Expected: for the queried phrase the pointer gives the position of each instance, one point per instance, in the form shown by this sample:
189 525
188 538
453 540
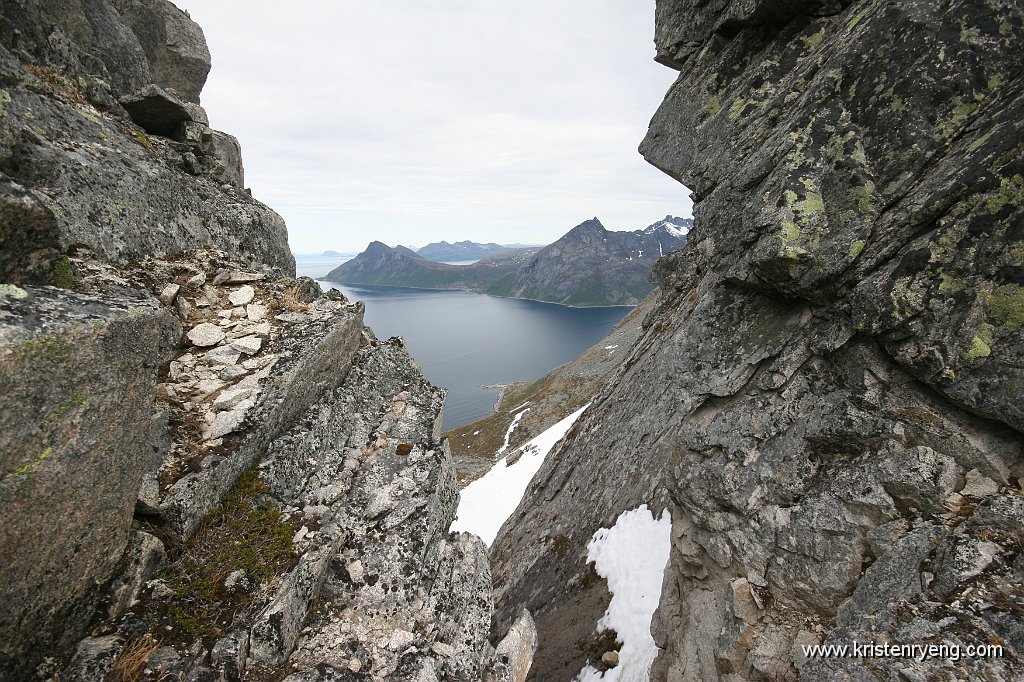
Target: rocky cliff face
828 398
99 119
208 469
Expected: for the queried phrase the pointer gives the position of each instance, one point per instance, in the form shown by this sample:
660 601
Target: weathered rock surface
837 350
69 474
395 594
75 171
174 45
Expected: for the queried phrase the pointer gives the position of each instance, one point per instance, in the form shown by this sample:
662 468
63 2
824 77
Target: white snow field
631 556
488 501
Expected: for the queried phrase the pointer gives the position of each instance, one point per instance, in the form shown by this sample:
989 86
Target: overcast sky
412 121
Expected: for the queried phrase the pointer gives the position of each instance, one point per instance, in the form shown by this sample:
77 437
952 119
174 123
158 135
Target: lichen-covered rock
70 473
833 377
174 45
75 172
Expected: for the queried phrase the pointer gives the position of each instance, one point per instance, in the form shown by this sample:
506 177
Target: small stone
978 485
230 398
610 658
223 275
224 423
169 293
183 308
355 665
250 345
205 334
256 312
242 295
292 317
356 572
400 639
196 282
202 302
403 449
232 372
237 313
225 355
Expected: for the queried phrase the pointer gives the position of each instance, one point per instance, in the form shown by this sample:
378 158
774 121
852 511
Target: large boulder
174 45
69 474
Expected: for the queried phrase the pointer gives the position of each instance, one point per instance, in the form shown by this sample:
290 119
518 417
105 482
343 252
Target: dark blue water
465 341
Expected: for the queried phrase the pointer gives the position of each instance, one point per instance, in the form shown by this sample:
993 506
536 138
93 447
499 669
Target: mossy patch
31 466
981 344
1010 192
246 532
63 275
812 41
44 348
1006 306
856 248
712 105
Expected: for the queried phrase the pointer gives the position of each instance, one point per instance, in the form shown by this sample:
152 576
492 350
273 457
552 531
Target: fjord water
465 341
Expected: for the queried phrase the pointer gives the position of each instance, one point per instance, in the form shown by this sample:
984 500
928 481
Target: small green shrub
243 533
63 275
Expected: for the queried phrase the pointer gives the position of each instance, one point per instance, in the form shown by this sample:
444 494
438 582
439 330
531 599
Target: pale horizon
411 124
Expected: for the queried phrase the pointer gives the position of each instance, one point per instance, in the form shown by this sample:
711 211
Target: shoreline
478 293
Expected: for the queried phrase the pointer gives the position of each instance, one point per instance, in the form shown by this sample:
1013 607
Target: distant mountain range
465 250
588 266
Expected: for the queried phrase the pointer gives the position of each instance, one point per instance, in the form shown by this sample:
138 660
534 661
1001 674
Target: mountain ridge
587 266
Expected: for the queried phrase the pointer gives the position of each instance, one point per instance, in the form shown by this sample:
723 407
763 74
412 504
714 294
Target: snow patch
611 347
511 428
631 556
485 503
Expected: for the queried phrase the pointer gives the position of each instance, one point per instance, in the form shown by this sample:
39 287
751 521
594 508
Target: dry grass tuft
291 301
133 659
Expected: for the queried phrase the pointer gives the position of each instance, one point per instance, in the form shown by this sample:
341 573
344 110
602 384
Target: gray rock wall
100 126
69 474
828 397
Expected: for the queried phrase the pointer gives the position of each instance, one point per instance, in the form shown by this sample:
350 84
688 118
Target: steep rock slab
311 358
832 380
395 594
70 474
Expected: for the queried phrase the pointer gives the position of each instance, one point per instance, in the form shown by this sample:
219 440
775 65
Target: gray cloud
410 122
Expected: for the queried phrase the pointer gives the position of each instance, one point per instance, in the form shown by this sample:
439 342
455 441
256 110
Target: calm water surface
466 341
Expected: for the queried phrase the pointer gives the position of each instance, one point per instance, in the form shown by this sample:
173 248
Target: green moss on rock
63 275
1006 305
